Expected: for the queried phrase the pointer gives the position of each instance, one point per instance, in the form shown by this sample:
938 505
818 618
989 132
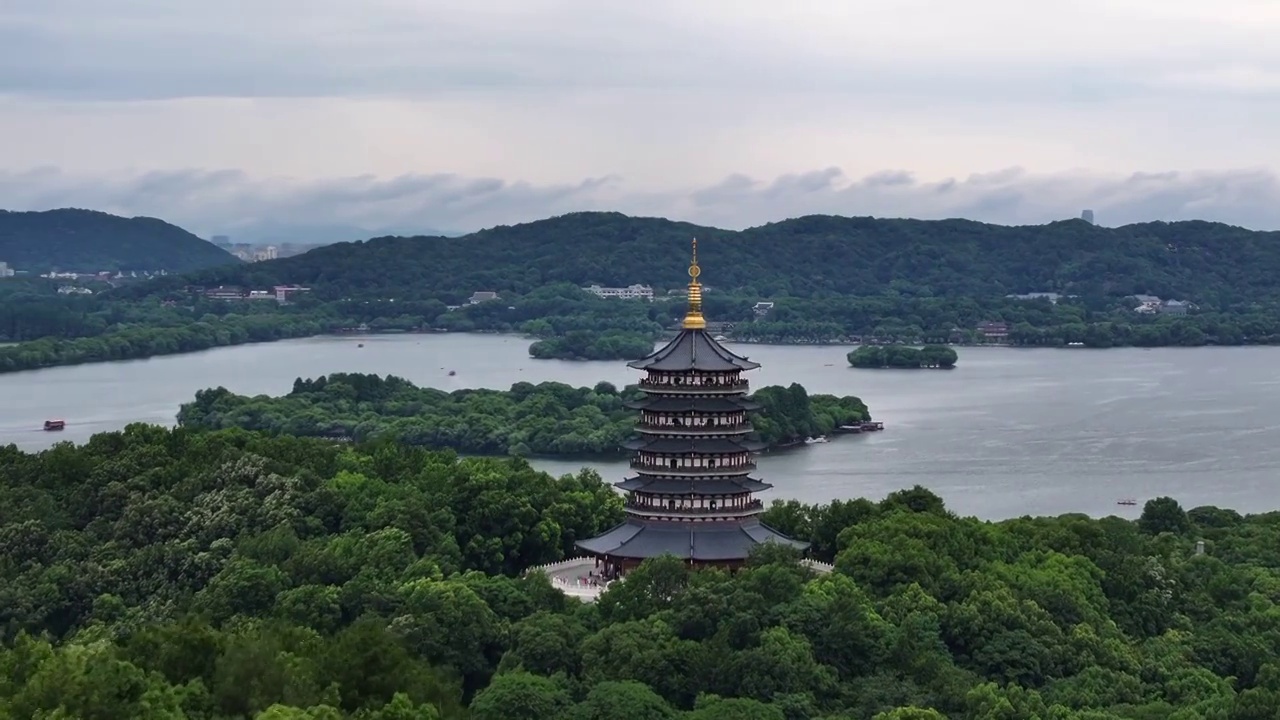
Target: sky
243 117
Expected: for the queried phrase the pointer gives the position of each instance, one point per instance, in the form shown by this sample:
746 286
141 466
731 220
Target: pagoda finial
693 320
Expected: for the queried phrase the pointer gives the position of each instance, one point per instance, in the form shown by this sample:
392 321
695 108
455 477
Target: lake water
1008 432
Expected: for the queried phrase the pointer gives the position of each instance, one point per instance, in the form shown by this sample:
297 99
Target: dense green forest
162 574
73 329
829 280
71 240
1213 265
902 357
54 329
544 419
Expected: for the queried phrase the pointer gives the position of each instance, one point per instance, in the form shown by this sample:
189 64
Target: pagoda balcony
755 507
694 430
740 386
691 471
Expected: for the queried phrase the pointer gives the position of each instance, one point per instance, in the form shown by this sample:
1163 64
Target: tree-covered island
588 345
544 419
902 357
177 574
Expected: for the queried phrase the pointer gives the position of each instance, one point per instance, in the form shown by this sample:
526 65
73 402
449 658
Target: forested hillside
164 574
1208 263
88 241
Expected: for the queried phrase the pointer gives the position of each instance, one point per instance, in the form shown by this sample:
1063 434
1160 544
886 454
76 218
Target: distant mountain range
72 240
814 256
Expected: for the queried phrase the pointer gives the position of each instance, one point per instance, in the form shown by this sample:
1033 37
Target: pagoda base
726 543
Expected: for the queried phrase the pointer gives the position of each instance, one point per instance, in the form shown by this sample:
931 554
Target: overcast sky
457 115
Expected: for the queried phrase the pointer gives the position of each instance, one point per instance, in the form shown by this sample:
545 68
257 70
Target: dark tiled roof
694 350
700 445
693 486
711 541
686 403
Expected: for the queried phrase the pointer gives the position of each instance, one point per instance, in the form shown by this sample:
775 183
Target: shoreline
355 335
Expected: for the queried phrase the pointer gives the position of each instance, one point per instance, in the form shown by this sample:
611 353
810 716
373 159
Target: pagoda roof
700 445
686 403
707 540
693 486
693 350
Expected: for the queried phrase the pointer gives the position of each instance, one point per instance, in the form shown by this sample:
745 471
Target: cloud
345 113
231 202
159 49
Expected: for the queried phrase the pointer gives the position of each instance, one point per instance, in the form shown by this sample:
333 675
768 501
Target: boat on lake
55 424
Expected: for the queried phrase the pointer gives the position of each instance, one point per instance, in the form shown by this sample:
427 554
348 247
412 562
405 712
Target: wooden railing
750 508
737 469
743 427
696 389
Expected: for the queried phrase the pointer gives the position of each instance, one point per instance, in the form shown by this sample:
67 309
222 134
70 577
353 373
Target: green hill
87 241
1207 263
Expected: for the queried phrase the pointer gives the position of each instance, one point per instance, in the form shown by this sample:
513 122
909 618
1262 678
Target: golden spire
693 320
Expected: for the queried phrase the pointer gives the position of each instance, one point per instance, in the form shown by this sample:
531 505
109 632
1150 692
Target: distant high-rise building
1087 216
221 241
267 253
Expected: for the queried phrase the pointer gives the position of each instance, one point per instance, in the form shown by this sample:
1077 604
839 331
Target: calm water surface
1009 432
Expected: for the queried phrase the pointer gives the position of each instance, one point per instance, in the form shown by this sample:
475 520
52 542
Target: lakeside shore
47 347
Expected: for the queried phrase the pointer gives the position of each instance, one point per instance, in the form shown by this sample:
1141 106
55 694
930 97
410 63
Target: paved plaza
579 578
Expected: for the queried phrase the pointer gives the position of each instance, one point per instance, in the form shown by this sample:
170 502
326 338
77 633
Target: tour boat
55 424
816 440
1127 501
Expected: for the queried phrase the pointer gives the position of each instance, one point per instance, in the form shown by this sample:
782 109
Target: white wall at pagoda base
819 567
571 577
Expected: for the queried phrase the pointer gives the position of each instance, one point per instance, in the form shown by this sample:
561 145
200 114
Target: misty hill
88 241
809 256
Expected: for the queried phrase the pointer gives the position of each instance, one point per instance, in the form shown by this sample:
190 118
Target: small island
552 419
587 345
903 357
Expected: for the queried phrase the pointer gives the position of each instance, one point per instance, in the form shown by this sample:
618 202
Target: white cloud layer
662 100
229 202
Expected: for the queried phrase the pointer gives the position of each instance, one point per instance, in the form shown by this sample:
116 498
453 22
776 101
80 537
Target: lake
1008 432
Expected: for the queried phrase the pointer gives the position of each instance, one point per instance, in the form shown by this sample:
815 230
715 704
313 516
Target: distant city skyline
229 118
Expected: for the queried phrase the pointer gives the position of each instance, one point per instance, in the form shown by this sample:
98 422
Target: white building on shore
630 292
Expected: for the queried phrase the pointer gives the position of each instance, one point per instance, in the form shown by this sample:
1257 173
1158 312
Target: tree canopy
902 357
826 279
156 573
544 419
814 256
587 345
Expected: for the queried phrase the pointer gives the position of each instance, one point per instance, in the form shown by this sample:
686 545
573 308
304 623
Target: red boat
55 424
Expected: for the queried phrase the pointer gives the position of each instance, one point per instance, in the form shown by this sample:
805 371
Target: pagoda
691 494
